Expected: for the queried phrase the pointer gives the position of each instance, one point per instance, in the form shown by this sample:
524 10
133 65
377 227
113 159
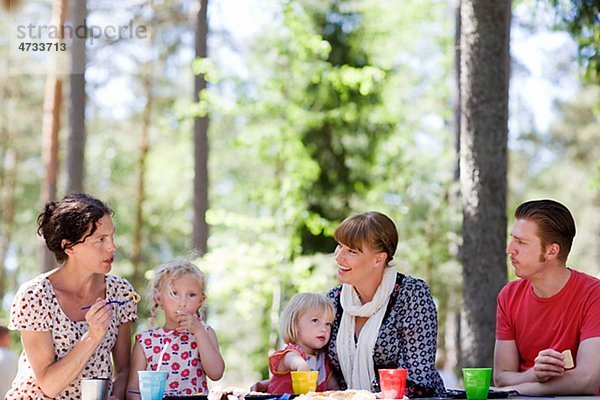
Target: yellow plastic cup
304 381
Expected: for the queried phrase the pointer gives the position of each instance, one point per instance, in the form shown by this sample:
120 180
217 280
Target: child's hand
299 364
189 321
260 386
303 367
293 361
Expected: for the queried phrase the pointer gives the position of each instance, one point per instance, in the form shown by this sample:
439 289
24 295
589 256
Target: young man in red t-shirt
549 310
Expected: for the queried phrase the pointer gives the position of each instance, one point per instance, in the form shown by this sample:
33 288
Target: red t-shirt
559 322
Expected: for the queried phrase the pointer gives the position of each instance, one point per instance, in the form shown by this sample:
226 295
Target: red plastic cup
392 382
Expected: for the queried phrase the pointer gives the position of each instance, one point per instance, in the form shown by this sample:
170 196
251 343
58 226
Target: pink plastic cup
393 382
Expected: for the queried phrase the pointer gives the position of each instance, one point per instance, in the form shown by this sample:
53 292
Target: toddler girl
188 347
305 327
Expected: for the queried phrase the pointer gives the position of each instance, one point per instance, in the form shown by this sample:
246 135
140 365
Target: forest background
313 110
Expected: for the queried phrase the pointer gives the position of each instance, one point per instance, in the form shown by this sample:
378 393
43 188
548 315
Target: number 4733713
43 46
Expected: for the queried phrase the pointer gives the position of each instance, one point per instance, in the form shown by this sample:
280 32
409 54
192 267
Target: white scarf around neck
356 359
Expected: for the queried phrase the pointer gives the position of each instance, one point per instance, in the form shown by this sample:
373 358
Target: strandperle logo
39 45
84 31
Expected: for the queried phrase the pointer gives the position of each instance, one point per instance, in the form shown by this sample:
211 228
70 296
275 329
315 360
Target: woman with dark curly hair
72 318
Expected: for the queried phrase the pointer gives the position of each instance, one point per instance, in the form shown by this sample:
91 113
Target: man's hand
548 364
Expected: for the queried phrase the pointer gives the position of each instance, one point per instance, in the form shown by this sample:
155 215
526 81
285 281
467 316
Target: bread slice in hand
569 364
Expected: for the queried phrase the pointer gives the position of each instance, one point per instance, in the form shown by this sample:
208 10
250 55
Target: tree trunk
11 5
200 228
50 129
456 90
484 74
76 142
454 195
136 256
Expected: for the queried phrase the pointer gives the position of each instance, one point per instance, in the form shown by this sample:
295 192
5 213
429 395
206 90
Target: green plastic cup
477 382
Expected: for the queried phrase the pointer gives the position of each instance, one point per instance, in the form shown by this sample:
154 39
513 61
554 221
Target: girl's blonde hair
167 273
300 304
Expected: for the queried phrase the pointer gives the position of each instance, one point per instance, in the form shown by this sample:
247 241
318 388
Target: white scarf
360 374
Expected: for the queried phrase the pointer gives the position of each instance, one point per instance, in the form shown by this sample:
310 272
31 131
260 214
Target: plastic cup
94 389
393 382
304 381
152 384
477 382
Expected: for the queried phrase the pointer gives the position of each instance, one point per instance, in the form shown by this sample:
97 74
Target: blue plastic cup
152 384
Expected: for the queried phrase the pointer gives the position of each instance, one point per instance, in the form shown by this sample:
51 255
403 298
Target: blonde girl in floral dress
189 347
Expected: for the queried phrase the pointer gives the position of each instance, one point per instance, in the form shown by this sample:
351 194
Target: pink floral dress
181 359
36 308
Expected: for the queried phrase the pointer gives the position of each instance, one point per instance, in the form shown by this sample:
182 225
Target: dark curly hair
70 219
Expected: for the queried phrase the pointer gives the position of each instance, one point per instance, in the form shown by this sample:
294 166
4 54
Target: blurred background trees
327 108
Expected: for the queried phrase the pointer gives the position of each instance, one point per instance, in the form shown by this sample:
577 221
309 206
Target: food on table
236 393
341 395
228 393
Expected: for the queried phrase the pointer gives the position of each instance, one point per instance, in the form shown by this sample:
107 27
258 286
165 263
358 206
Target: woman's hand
98 319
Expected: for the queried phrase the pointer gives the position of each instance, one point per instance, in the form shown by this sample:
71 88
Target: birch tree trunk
484 76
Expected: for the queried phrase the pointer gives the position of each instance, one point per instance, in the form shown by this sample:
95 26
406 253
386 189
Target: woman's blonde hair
372 229
167 273
300 304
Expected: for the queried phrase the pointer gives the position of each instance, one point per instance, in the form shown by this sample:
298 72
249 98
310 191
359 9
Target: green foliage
313 138
350 119
582 19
